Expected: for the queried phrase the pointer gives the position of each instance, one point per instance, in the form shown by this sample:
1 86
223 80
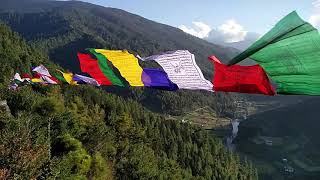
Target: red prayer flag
91 66
37 76
242 79
26 76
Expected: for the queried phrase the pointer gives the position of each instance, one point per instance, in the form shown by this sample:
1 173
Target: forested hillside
294 135
82 132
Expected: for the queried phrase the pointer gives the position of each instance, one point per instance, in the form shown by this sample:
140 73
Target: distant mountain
217 37
62 28
248 41
25 6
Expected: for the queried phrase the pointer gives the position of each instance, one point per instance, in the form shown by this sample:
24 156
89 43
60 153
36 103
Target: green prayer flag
59 77
290 54
104 67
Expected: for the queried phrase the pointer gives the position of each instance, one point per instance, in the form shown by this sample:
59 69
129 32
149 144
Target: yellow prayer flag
36 80
68 77
126 63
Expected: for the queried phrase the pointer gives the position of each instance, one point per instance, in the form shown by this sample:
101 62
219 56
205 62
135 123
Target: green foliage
16 55
100 168
170 169
139 163
49 106
20 101
75 161
23 147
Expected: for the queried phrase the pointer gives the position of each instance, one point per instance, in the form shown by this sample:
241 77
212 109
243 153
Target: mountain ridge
146 30
73 26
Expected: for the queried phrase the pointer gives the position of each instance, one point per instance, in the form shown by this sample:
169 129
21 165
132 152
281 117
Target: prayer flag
290 54
182 69
91 66
157 78
242 79
126 63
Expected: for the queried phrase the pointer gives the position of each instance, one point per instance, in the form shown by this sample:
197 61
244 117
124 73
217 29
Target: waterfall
235 128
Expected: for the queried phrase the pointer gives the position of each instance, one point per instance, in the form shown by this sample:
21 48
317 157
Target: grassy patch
204 117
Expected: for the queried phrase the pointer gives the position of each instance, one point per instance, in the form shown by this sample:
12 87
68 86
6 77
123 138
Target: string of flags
289 54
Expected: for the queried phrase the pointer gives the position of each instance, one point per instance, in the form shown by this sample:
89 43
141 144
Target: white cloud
232 31
315 17
315 20
202 30
316 4
229 32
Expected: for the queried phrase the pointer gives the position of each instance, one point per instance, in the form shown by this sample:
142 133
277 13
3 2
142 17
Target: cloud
232 31
316 4
201 30
315 20
315 17
229 32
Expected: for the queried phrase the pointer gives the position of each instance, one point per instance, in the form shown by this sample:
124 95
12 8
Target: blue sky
248 15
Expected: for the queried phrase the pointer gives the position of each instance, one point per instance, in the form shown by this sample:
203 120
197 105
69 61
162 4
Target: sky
234 17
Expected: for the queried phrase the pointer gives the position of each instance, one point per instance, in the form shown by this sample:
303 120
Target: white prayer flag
17 77
85 79
49 80
42 70
182 69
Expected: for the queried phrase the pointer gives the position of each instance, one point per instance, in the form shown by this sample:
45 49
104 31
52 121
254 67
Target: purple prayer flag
157 78
84 80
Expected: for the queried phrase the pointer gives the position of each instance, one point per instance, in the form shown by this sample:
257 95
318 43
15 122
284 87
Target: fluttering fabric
290 54
91 66
60 77
126 63
50 80
17 78
68 77
43 75
242 79
182 69
26 77
156 78
80 79
13 86
42 70
37 78
105 68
